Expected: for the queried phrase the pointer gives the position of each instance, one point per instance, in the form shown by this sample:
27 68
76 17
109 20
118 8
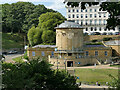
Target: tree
21 16
35 74
112 7
50 20
48 37
47 23
45 31
34 36
115 84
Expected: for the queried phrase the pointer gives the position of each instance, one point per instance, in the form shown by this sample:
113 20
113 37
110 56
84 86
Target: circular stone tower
69 36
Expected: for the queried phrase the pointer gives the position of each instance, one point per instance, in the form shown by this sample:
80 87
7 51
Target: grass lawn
12 41
93 75
18 59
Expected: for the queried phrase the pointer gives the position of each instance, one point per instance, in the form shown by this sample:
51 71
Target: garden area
91 76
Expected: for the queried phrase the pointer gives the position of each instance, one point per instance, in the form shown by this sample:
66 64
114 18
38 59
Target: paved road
8 58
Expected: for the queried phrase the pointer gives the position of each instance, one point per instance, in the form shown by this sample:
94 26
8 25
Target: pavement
92 67
8 58
93 87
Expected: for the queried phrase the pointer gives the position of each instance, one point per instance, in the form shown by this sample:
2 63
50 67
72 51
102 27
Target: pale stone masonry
70 50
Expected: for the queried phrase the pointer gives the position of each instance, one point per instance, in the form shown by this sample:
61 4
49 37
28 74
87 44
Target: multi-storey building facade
92 19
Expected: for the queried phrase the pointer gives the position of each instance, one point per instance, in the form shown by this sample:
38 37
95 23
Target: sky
57 5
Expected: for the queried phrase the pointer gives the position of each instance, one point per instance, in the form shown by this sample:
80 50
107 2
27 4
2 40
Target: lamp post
65 65
57 64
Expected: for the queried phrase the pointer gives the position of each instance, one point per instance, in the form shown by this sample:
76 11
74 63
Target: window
73 16
95 29
90 10
77 21
95 15
86 29
77 10
91 28
87 53
90 15
81 22
96 53
99 15
81 10
52 53
33 53
86 22
106 53
99 28
81 15
86 16
69 54
104 22
100 22
43 54
90 22
105 29
68 10
95 10
73 10
77 15
85 10
95 22
69 16
104 15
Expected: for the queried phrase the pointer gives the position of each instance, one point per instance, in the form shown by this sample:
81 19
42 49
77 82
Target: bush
107 39
99 43
94 40
37 75
25 55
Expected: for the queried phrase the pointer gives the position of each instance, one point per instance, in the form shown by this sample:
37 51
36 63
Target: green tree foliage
34 36
50 20
112 7
115 84
48 37
21 16
47 23
35 74
46 27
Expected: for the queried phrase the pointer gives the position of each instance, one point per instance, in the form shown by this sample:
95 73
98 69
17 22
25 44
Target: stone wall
99 37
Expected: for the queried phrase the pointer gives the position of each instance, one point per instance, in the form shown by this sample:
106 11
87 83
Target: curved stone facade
69 39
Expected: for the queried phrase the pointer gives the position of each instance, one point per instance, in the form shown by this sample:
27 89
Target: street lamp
65 64
57 64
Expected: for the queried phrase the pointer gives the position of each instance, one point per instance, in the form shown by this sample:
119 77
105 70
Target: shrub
107 39
25 55
94 40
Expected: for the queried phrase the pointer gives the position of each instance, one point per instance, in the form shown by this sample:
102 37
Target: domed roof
69 24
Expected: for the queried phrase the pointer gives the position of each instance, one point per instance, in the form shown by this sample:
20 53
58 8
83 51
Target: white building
91 18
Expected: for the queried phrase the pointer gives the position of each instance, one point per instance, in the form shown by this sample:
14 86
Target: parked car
110 33
104 33
12 52
117 33
4 53
95 33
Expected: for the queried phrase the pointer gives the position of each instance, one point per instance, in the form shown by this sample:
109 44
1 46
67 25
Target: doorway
69 63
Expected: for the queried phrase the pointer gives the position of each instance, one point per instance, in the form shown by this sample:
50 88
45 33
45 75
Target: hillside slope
12 41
